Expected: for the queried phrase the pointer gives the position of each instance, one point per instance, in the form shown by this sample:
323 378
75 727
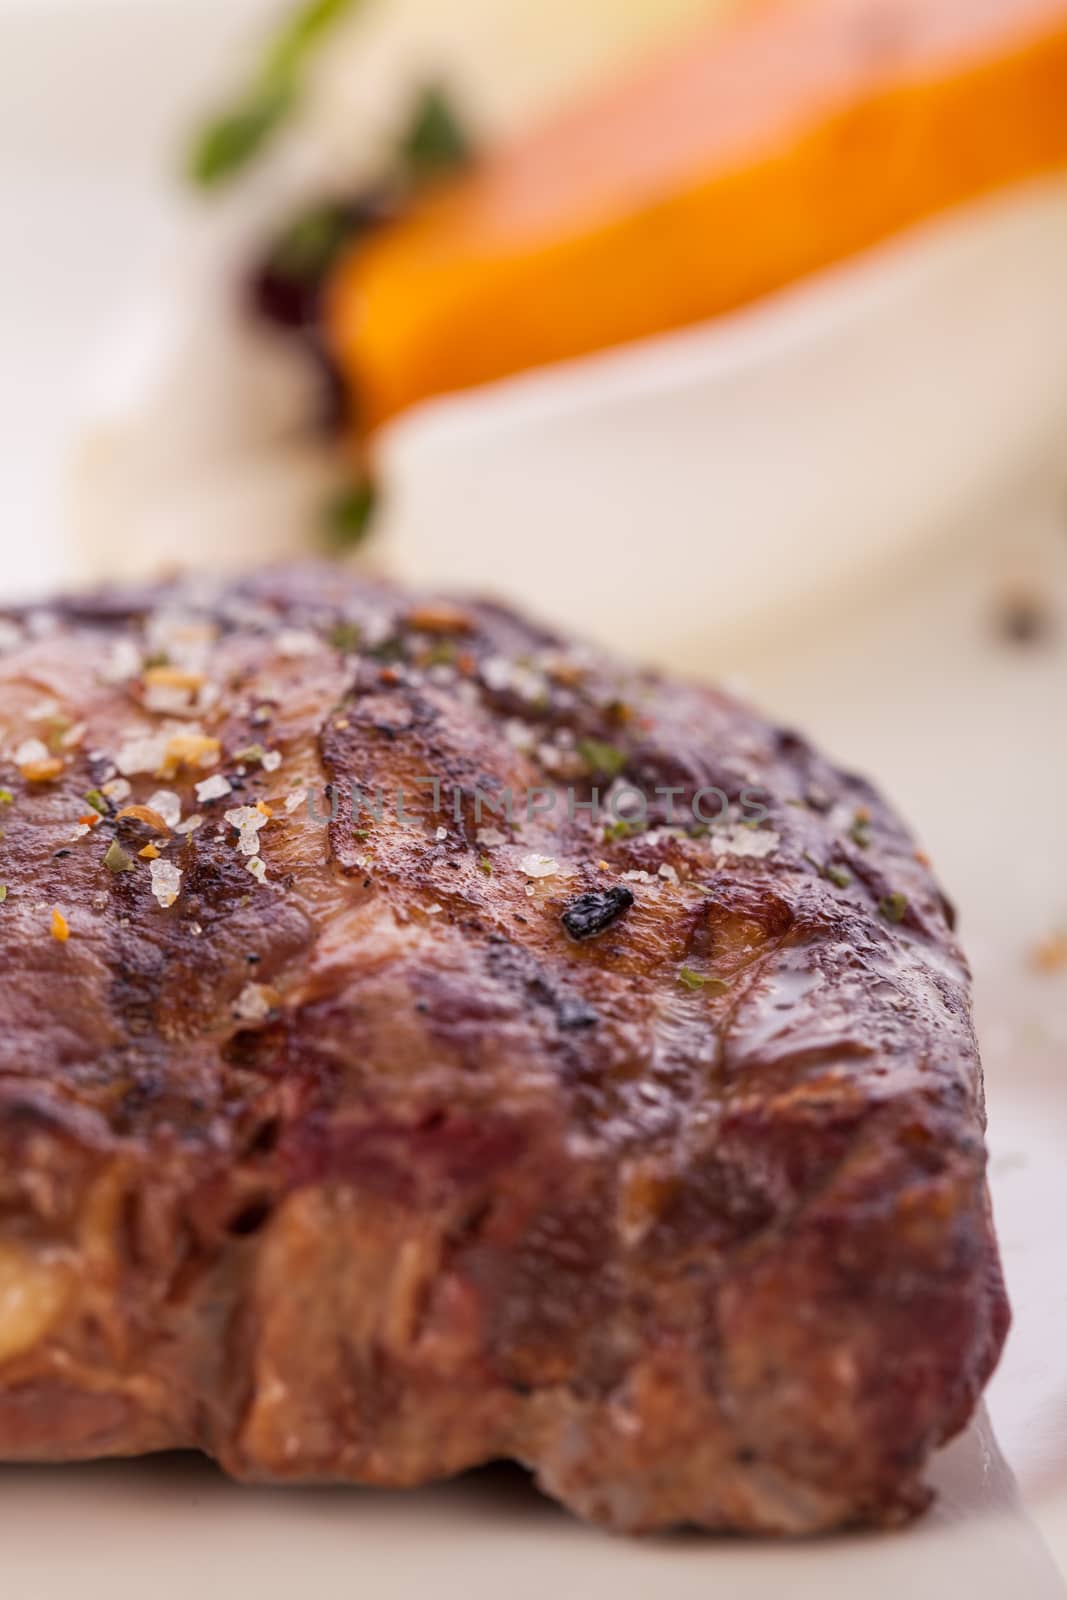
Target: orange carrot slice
763 150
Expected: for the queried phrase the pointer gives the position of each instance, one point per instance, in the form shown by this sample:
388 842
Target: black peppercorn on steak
426 1041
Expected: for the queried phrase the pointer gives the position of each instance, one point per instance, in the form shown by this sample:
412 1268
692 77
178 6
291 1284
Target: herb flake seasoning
117 860
697 980
893 907
601 757
840 877
595 912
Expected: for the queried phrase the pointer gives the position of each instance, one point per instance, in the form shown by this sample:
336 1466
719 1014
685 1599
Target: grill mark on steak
519 970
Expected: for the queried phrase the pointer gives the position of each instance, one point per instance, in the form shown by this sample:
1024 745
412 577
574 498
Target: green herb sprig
435 141
236 135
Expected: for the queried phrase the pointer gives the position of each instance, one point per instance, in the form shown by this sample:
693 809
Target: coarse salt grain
254 1003
123 663
496 672
30 752
743 841
141 755
519 735
271 761
168 805
182 637
167 699
248 820
246 817
213 788
257 867
166 882
293 643
535 866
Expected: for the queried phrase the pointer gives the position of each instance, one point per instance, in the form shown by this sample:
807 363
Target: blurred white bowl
672 494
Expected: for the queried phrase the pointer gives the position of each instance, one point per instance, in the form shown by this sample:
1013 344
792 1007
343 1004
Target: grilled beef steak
644 1147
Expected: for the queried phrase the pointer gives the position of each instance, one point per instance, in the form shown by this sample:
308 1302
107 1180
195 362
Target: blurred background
845 492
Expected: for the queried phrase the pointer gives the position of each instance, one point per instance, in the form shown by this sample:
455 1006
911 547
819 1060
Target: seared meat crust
648 1155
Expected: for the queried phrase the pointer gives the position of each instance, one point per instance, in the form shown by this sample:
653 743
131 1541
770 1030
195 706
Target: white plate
171 1528
906 682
